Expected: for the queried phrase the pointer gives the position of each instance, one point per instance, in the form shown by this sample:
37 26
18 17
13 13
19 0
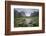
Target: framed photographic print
24 17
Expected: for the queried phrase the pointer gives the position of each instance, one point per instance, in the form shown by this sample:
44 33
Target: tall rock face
22 13
16 13
35 13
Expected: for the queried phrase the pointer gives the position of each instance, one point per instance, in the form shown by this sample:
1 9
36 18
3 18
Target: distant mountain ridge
22 13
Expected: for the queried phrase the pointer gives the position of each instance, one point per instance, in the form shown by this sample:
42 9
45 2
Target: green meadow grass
20 21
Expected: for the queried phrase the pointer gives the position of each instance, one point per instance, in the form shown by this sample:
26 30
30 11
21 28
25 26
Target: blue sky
26 10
